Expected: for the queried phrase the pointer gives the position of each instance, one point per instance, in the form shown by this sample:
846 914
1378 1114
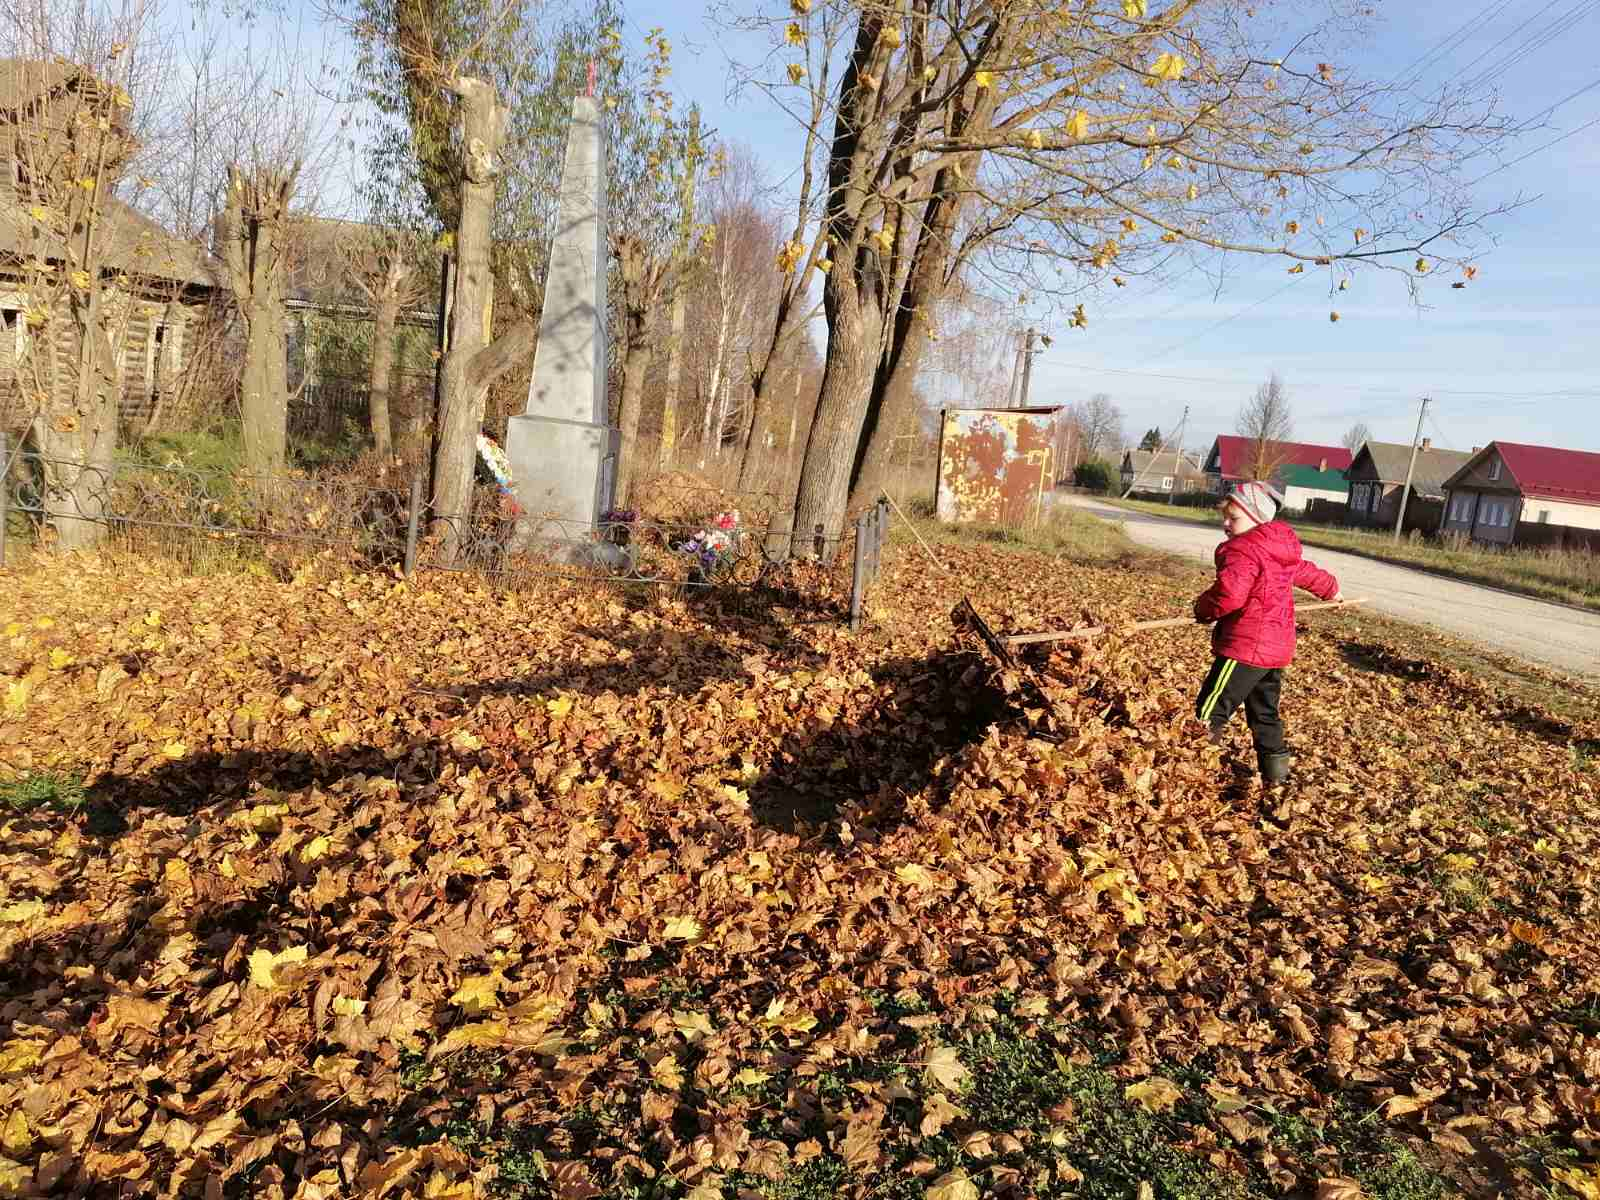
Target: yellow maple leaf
60 658
789 255
21 910
346 1006
796 72
943 1068
1129 225
750 1077
17 695
264 965
19 1055
824 265
1194 192
482 1035
1078 125
889 35
1156 1094
682 929
316 848
174 750
1134 10
694 1026
913 873
1169 66
1422 266
479 993
983 79
885 240
1585 1181
16 1137
1034 140
800 7
953 1185
795 35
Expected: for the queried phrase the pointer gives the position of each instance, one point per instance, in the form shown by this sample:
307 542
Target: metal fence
393 527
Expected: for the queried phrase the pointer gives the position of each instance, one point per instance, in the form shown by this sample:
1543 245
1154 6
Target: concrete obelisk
561 450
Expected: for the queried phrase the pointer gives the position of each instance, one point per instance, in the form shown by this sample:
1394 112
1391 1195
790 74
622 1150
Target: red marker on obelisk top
590 92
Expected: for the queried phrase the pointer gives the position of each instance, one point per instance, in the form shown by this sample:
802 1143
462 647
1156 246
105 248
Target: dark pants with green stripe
1229 684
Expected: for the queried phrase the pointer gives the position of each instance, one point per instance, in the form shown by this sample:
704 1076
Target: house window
1494 467
1166 483
1544 516
11 340
154 350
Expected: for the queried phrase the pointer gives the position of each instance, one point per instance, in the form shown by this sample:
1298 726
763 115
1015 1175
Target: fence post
5 493
883 535
413 521
858 573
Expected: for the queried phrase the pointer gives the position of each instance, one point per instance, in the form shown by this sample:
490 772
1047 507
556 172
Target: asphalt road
1550 635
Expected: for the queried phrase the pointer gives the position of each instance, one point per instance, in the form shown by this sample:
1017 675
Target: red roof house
1233 459
1508 486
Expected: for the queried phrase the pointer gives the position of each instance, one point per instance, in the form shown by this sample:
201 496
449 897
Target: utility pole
1411 467
1027 364
1177 478
1160 450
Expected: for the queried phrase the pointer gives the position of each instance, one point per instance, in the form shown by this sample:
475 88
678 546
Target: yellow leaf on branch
1078 125
1169 66
983 79
795 35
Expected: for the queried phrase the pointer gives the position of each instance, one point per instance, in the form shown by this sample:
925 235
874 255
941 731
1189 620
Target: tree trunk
755 446
461 399
641 290
253 251
382 371
855 330
79 444
893 402
264 399
667 451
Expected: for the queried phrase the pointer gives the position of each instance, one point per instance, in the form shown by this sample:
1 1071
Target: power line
1483 17
1547 30
1573 393
1536 150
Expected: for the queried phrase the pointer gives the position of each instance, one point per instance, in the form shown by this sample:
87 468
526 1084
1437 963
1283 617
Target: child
1252 602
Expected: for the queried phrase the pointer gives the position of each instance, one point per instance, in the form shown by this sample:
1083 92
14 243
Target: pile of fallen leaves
432 889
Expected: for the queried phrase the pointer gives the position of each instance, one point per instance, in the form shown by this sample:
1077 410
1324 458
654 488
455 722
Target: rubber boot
1274 766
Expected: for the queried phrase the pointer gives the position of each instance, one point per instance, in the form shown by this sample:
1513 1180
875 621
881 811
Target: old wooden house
155 287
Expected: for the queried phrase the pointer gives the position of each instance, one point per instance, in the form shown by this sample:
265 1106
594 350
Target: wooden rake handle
1061 635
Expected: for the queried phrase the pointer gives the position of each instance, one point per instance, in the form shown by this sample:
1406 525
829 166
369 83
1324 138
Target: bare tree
1099 424
1355 437
1267 422
385 263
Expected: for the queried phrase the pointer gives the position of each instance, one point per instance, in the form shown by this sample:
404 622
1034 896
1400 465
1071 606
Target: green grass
53 790
1063 533
1571 577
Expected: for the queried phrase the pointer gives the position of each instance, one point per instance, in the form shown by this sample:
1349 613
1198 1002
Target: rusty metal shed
995 464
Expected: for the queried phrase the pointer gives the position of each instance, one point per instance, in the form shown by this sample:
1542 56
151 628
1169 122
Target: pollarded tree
1049 147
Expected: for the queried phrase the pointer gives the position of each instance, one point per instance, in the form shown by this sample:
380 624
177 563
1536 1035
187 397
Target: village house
1304 472
1514 494
1148 472
1377 478
157 285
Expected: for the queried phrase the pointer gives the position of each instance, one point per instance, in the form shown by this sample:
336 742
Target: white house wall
1562 512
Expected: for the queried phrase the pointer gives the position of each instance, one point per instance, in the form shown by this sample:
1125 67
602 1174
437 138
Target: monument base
563 472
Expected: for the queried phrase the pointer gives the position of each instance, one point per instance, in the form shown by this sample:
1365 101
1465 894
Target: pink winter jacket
1252 600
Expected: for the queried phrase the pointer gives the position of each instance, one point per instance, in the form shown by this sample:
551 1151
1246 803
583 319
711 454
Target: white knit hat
1260 500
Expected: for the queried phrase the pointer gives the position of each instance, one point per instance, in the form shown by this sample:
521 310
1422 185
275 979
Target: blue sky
1487 355
1513 356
